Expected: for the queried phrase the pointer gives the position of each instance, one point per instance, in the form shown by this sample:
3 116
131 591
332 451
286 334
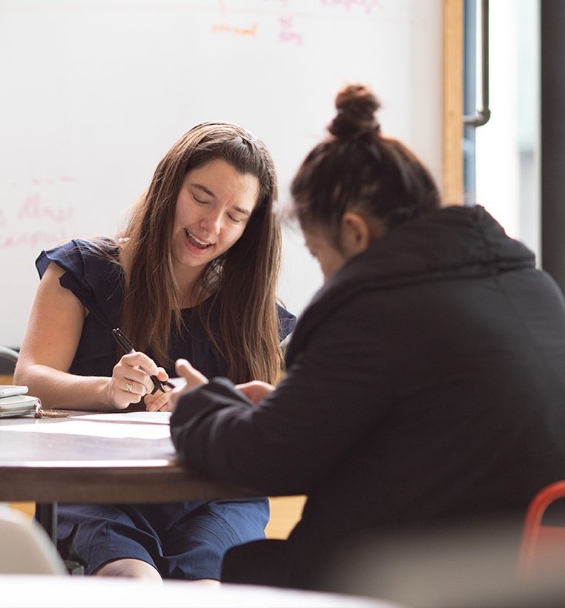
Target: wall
94 93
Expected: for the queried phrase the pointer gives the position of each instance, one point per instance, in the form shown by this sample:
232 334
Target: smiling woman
214 205
192 275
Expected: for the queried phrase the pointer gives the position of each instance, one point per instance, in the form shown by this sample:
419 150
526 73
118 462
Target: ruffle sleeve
92 274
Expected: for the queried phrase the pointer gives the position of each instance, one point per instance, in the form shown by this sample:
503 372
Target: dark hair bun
356 107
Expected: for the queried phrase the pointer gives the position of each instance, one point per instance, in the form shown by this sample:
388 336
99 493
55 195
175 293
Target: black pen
128 348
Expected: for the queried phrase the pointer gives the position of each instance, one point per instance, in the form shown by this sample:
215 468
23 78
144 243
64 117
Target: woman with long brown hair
193 274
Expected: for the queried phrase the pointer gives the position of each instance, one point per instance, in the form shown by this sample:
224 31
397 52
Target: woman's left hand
256 390
159 400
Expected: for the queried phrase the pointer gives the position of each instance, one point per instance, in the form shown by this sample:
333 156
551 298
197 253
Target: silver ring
129 387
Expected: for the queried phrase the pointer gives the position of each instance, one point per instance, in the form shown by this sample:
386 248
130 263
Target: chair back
25 547
8 360
9 353
542 549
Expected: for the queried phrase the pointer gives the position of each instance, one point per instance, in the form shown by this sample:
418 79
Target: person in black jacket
425 381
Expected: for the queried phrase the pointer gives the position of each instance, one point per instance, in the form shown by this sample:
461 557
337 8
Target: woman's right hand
130 380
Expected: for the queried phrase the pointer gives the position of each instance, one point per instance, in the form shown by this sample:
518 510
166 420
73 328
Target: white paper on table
138 425
147 417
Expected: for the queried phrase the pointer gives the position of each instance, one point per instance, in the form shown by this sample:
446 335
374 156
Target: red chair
542 549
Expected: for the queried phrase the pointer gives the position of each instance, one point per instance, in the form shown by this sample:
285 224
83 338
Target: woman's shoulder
78 255
95 247
92 273
283 312
287 321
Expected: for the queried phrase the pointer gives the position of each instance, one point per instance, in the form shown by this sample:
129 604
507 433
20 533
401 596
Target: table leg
46 515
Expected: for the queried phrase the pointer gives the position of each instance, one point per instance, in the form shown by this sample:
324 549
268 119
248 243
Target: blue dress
181 540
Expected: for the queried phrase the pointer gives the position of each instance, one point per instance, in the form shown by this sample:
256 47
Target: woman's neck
189 286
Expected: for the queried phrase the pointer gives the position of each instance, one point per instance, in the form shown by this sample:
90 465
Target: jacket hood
451 242
461 240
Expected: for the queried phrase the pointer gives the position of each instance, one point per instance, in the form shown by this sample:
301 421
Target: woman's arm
52 336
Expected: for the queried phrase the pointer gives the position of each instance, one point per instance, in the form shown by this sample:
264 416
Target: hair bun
356 107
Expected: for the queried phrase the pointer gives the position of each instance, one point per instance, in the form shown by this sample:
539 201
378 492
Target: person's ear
355 233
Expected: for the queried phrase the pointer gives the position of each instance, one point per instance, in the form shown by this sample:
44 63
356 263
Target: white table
89 592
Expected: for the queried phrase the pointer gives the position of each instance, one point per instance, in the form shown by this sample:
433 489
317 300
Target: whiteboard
93 94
